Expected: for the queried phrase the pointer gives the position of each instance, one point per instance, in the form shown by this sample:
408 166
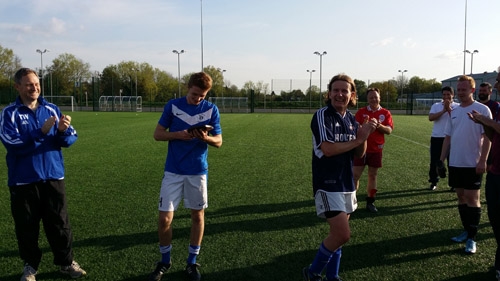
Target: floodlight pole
402 80
179 67
201 24
310 85
135 70
465 33
471 58
320 72
41 65
222 73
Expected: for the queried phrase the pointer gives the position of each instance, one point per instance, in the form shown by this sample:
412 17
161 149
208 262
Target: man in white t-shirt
439 114
468 147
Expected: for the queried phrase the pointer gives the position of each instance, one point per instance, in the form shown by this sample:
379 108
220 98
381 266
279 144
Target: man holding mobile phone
190 124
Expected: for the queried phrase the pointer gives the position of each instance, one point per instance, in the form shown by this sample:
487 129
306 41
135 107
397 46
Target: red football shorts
373 159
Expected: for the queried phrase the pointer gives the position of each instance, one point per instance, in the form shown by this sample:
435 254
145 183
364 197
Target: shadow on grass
392 251
170 275
434 205
387 207
55 275
289 266
413 191
476 276
283 217
280 217
286 267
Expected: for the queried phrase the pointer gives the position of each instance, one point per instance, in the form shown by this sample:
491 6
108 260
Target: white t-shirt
440 123
465 134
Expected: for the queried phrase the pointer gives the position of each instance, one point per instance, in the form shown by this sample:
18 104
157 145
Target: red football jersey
376 139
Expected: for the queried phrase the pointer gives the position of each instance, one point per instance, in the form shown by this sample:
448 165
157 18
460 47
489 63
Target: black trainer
192 272
161 268
307 277
371 207
433 186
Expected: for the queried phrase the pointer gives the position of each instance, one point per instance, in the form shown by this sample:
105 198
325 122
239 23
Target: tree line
68 75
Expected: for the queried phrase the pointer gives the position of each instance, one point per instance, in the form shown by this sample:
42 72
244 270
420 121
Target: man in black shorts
468 149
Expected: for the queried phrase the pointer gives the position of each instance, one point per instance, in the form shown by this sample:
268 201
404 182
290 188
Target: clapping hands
368 127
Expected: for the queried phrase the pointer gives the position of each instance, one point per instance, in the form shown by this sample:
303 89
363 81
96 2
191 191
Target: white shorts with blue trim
335 201
174 187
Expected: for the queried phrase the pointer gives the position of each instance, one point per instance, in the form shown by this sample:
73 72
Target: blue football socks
165 253
333 266
320 261
193 253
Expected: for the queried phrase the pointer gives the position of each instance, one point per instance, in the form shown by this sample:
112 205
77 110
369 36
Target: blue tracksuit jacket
31 155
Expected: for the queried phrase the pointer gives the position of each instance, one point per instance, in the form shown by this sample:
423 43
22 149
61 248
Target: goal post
425 103
231 104
63 102
120 103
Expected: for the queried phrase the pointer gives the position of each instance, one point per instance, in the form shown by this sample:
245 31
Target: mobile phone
201 127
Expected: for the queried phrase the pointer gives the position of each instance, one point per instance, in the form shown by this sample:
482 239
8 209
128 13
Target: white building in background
489 77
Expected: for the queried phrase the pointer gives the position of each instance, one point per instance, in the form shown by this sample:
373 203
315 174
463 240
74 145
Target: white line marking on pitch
409 140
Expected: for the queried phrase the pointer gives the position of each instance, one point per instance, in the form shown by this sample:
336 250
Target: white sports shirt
465 134
440 123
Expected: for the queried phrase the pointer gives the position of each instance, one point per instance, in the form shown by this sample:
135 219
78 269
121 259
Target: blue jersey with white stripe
332 174
188 157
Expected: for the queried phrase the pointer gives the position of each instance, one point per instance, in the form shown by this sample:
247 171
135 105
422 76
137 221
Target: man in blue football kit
186 168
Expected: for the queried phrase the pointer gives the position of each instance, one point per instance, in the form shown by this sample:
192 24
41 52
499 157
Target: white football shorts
174 187
335 201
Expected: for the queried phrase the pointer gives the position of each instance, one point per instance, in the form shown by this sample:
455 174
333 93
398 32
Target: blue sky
261 40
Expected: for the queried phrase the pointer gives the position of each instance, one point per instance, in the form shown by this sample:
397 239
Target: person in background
186 168
484 95
492 186
467 147
439 114
337 138
375 144
34 132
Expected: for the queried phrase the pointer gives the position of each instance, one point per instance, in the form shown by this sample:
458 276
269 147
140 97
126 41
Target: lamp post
95 79
135 70
387 94
310 85
471 57
201 32
179 67
402 80
465 34
41 64
320 72
51 84
222 73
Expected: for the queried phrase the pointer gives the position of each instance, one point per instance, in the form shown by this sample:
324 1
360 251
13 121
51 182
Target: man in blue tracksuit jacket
33 131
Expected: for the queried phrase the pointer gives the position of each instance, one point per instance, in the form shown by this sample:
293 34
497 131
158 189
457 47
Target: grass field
261 223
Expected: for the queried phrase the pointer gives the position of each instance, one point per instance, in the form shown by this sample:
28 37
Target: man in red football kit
375 144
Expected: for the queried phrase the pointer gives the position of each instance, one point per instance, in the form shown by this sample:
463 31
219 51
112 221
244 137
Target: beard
482 97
